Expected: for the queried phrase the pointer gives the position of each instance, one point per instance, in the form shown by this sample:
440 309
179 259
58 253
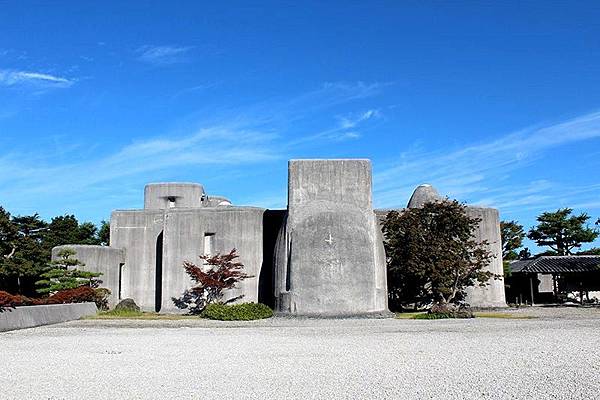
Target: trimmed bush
81 294
236 312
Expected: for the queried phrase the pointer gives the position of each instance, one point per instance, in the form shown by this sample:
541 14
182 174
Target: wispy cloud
163 55
231 146
37 79
345 129
482 173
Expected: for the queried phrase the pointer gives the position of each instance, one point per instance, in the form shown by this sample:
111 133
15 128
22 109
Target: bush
9 301
236 312
81 294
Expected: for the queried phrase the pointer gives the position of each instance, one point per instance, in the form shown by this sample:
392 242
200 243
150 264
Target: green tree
67 230
432 254
561 231
104 233
512 239
65 275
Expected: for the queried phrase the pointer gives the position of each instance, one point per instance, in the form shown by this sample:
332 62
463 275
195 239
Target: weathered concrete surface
159 196
138 232
488 229
31 316
232 227
330 259
423 194
104 259
159 241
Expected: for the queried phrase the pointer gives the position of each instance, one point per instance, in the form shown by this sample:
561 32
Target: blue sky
494 104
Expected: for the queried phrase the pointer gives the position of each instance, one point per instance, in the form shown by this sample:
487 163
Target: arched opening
158 274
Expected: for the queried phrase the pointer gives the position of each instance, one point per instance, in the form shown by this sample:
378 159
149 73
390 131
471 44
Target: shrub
81 294
221 272
8 301
236 312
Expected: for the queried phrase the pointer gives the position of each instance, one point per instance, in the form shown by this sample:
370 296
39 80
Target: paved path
546 358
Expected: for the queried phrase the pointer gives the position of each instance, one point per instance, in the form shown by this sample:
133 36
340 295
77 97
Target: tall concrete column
330 259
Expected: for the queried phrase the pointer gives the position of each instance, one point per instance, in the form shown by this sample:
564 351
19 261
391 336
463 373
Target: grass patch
409 315
127 314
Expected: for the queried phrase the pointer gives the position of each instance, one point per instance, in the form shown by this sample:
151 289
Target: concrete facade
322 256
107 260
330 259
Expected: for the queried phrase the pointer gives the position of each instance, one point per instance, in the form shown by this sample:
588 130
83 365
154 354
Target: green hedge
236 312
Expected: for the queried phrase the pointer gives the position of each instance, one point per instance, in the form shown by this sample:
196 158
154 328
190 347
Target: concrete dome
423 194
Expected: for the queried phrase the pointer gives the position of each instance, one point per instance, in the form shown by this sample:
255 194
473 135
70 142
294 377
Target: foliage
81 294
220 272
594 251
236 312
26 243
64 274
512 239
432 255
104 233
77 295
561 231
8 301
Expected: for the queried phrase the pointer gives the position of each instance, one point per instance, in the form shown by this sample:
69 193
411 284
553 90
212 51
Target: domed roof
423 194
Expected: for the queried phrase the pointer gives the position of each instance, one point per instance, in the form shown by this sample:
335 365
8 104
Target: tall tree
561 231
67 230
104 233
432 254
512 239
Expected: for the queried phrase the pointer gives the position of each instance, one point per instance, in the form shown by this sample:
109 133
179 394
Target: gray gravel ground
556 356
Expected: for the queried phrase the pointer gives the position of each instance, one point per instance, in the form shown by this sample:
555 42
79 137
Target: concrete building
323 255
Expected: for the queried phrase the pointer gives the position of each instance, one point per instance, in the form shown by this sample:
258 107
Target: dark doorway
158 275
272 223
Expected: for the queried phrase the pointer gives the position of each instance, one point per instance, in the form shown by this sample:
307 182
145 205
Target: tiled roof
557 264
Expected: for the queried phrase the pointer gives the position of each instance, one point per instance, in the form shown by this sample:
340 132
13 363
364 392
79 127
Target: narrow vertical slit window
209 239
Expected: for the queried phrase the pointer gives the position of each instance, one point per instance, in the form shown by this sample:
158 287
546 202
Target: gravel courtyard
556 356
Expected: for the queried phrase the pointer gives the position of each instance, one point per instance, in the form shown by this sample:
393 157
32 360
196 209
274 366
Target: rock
127 305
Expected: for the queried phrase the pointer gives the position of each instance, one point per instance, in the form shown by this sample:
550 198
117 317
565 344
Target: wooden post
531 288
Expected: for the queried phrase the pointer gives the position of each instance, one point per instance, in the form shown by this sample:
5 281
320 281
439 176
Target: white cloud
17 78
481 172
163 55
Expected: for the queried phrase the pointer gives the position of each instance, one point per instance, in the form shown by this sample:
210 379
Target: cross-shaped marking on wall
330 240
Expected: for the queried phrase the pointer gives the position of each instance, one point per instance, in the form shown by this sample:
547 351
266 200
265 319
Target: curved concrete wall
30 316
103 259
329 258
160 196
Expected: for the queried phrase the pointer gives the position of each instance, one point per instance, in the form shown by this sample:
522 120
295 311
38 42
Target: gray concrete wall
329 258
31 316
137 232
156 195
104 259
184 236
488 229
